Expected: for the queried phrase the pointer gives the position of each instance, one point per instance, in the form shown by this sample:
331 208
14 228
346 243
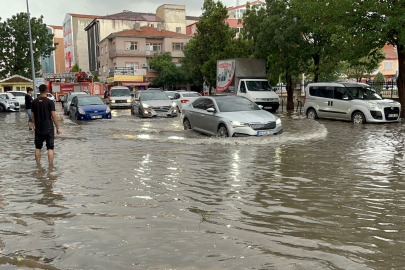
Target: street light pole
32 53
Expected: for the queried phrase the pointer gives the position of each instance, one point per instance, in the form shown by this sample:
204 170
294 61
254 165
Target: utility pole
32 53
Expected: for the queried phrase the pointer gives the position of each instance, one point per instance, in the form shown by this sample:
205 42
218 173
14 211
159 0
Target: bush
379 80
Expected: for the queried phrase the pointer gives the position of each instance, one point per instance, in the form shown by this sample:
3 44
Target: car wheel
140 113
132 111
2 109
311 114
222 132
186 124
358 118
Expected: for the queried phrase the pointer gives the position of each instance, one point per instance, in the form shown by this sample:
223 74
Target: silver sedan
229 116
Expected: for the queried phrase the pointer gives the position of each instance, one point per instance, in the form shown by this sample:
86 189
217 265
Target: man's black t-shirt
28 100
42 108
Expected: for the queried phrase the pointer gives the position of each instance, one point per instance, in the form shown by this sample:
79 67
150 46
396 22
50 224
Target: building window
153 47
131 46
115 64
105 48
178 29
388 65
104 69
134 65
177 46
102 50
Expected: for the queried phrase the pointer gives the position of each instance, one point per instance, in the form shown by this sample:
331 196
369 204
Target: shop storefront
15 83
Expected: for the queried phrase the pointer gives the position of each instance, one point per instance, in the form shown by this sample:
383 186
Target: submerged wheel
358 118
2 109
222 132
311 114
140 113
186 124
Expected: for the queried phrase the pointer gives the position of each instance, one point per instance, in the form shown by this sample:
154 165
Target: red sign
224 65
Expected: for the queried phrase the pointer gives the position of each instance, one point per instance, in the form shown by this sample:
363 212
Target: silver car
20 96
120 97
71 95
152 103
230 116
354 102
8 103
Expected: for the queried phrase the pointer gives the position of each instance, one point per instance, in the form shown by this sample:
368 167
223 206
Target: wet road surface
132 193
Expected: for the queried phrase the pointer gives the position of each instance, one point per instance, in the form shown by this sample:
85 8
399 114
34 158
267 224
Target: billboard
225 74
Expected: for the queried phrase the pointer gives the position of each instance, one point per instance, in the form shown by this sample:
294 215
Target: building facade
133 48
389 67
75 40
168 17
55 62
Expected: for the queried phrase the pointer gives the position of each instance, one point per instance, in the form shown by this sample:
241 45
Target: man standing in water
44 116
28 100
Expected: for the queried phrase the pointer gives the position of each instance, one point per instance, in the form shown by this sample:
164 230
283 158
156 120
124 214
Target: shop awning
136 84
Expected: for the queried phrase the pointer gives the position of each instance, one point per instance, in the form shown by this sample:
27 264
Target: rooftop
133 16
83 15
149 31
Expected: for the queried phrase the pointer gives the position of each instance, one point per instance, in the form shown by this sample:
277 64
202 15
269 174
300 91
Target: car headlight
81 111
112 101
146 106
108 110
239 124
278 121
374 105
174 104
129 101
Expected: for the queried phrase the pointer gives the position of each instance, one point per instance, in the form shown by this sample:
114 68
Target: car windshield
154 96
83 101
3 97
236 105
364 93
191 95
258 86
120 93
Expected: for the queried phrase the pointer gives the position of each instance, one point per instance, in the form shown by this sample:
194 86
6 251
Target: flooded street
132 193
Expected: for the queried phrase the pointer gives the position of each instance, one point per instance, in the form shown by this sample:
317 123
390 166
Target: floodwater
144 194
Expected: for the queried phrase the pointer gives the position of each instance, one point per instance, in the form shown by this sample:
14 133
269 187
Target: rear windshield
120 92
191 95
90 100
236 105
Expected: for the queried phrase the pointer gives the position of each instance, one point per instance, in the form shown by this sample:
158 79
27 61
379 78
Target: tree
379 80
363 67
169 73
75 68
15 46
95 78
214 40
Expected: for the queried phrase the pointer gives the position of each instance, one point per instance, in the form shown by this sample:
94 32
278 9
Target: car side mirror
260 106
211 110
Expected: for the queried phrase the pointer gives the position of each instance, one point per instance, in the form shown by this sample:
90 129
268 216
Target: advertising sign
128 78
110 80
140 72
123 71
225 74
39 81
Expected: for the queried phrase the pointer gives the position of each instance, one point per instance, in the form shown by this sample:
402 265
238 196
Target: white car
20 96
49 95
8 103
184 98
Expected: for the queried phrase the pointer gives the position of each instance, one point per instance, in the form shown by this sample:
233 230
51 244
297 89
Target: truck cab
260 92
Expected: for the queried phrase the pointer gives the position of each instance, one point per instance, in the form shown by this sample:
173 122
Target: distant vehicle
152 103
8 103
229 116
246 78
120 97
280 88
66 104
184 98
49 96
86 107
20 96
354 102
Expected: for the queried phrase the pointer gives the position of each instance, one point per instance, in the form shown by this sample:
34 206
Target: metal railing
114 53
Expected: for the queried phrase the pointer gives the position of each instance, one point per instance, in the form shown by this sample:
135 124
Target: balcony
114 53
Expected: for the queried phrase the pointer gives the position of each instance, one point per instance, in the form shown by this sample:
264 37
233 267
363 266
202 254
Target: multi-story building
133 48
55 62
168 17
75 40
389 66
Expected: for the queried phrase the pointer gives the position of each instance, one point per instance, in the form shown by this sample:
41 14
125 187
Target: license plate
161 114
393 115
263 133
268 108
96 117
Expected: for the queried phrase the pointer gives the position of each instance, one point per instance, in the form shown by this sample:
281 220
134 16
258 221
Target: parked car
229 116
170 94
86 107
120 97
280 88
184 98
71 95
152 103
354 102
49 96
20 96
8 103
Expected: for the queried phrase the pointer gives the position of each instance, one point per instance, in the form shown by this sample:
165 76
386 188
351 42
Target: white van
120 97
355 102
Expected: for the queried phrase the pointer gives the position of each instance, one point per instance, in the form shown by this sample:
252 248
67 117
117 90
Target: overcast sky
54 11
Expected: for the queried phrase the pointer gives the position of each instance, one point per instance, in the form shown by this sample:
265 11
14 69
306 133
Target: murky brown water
144 194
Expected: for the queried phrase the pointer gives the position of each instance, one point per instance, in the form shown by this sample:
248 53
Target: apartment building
54 63
75 40
389 66
133 48
167 17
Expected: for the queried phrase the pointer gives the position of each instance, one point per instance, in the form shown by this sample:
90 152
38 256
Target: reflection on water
144 194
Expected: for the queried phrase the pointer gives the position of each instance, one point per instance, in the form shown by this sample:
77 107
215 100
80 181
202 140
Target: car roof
189 92
153 90
119 87
86 96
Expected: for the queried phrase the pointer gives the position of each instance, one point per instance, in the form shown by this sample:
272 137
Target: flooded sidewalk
132 193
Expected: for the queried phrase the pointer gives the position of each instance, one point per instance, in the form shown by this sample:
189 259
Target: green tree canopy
15 45
75 68
379 78
214 40
169 73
